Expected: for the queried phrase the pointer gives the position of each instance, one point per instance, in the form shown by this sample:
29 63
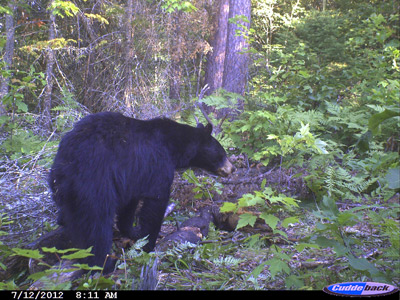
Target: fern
342 184
227 261
315 119
180 249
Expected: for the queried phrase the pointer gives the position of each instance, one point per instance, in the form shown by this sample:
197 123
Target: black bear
109 162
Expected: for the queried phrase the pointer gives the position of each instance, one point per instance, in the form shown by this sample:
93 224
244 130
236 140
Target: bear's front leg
149 221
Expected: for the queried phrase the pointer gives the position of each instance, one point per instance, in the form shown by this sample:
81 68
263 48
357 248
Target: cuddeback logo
360 289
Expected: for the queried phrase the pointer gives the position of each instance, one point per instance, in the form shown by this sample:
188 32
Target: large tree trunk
236 58
228 64
8 55
216 59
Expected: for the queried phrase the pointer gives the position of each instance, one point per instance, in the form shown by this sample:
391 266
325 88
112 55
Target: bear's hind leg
91 228
125 218
101 239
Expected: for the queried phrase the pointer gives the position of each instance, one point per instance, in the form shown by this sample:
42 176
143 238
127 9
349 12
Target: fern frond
341 183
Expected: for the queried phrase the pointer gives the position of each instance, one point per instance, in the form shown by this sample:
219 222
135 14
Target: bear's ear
209 128
199 125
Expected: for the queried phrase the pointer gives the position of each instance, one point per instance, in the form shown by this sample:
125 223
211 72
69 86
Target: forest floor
228 264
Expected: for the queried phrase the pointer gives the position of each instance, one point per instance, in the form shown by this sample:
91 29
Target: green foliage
267 205
221 99
264 135
393 178
203 186
5 10
4 249
379 118
340 183
63 8
21 83
278 264
49 277
331 233
324 34
23 143
330 77
178 5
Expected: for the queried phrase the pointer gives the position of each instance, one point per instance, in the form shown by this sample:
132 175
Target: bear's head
210 155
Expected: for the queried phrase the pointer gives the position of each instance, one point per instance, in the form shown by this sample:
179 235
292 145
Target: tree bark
50 60
216 59
8 55
228 64
175 79
236 58
129 54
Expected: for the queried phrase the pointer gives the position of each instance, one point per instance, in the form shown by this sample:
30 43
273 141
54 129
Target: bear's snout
226 169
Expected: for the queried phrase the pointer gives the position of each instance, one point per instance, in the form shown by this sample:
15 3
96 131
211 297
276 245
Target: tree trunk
176 54
236 59
129 55
216 59
50 59
8 55
228 64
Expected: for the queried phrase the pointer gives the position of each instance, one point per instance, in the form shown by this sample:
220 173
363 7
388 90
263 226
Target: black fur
109 162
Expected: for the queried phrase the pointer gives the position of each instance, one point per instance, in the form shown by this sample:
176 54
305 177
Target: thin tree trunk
129 54
8 55
50 59
216 59
175 81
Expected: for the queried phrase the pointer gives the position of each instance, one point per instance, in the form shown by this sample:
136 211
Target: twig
200 104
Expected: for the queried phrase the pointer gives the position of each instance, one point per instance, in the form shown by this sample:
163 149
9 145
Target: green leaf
257 270
270 220
329 207
55 250
288 201
294 281
228 207
377 119
347 218
104 283
246 219
82 253
250 200
277 265
263 183
22 106
362 264
364 141
289 220
321 146
4 119
6 10
393 177
324 242
300 247
87 267
63 8
98 18
28 253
